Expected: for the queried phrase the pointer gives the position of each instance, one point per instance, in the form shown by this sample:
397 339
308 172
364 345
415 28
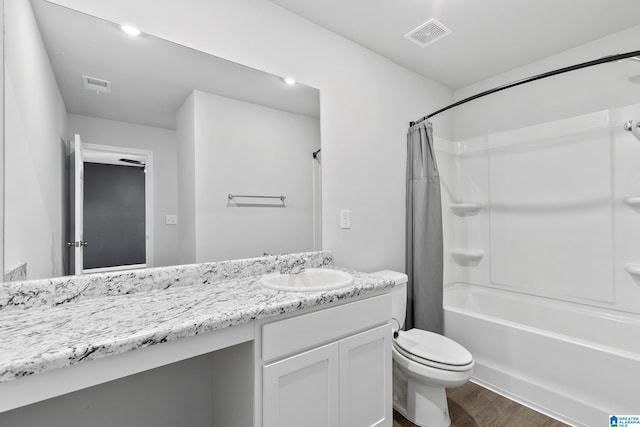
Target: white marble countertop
47 337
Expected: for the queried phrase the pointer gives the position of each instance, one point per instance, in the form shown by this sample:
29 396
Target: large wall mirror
128 151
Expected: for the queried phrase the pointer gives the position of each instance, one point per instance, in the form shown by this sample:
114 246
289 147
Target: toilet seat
431 349
425 374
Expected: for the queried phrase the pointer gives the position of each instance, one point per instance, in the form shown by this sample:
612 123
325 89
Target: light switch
345 219
171 219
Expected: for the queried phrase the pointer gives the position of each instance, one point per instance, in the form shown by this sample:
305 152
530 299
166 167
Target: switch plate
345 219
171 219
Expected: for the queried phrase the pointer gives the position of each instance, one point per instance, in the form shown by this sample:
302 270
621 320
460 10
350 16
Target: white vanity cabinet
303 389
329 368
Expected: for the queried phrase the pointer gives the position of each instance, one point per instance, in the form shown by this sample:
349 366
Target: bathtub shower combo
576 364
541 217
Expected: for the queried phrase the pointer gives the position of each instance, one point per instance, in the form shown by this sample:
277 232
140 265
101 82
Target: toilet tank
398 294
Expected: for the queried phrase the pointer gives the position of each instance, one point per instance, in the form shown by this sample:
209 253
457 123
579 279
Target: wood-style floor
474 406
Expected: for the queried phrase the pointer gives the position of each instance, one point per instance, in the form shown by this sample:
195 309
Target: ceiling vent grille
96 85
427 33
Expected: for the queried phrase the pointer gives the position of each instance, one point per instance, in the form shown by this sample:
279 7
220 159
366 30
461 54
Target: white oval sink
312 279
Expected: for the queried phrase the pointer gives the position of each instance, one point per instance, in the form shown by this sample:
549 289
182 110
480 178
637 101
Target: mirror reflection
128 151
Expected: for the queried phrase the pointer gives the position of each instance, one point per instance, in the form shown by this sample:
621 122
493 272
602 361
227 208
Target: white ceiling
150 77
489 36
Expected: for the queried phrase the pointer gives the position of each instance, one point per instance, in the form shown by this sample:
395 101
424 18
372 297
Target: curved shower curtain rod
604 60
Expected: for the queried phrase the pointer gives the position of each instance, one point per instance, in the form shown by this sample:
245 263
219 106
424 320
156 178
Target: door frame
109 154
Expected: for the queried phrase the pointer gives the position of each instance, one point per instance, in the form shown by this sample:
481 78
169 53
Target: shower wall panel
551 208
626 181
473 189
446 160
555 220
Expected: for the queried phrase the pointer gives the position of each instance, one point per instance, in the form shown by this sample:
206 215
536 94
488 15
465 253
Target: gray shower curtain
423 233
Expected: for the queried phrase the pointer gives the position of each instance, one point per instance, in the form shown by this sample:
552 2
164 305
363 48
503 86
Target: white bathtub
575 363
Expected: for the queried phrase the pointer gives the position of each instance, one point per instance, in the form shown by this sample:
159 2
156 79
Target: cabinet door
365 379
302 390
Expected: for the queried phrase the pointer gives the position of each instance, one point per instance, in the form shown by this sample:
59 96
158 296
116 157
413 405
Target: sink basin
312 279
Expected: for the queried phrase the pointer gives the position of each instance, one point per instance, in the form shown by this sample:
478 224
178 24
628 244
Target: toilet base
419 391
426 405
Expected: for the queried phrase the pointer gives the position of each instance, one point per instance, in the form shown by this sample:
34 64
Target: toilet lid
432 347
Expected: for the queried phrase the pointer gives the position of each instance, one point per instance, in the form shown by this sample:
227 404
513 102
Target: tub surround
54 323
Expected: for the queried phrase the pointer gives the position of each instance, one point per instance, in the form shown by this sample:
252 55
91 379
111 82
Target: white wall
163 144
2 142
185 131
366 104
247 149
566 95
35 152
552 165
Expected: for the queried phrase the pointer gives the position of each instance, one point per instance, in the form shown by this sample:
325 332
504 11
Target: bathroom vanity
206 344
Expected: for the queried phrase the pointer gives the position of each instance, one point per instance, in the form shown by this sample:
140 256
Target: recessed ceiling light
130 30
289 81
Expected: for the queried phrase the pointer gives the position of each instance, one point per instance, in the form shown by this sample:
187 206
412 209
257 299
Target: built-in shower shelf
633 201
466 209
467 257
633 268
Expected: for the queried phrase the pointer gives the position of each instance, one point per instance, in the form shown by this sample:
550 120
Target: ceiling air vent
427 33
96 85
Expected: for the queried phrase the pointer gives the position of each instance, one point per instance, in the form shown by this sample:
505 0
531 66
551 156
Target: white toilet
424 364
